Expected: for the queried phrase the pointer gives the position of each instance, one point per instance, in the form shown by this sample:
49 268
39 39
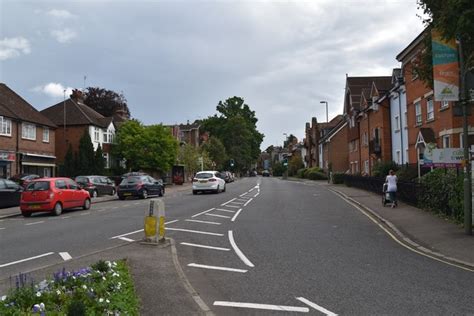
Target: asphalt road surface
266 246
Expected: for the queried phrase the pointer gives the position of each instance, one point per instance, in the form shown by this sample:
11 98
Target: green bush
317 175
338 178
300 173
407 173
309 170
381 168
443 193
278 169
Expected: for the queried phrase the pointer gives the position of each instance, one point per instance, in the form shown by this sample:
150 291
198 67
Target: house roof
77 113
356 85
15 107
407 50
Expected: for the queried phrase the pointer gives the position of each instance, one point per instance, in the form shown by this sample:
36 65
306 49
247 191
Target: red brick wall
364 127
338 151
72 136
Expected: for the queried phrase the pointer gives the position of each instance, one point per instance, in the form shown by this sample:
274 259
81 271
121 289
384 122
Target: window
366 167
377 135
108 137
397 123
96 134
5 126
365 139
461 140
444 104
429 109
446 141
28 131
45 135
72 185
60 184
398 157
418 113
107 160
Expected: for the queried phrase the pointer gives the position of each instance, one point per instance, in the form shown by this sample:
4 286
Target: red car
53 195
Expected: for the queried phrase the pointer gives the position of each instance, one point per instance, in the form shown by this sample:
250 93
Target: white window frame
96 134
398 157
5 126
430 109
446 139
45 135
28 131
444 104
366 166
461 140
107 160
418 115
397 123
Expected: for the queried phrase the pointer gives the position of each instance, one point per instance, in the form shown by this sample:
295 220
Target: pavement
164 289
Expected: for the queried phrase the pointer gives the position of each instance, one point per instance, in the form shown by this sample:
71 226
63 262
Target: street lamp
327 119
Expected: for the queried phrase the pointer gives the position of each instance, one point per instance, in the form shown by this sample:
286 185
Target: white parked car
208 181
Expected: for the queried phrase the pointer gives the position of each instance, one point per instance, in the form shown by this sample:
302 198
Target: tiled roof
357 84
15 107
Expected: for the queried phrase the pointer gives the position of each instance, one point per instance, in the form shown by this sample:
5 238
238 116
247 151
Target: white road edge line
235 216
126 239
204 246
247 202
263 306
195 231
27 259
221 209
34 223
238 251
65 255
203 212
316 306
203 266
204 222
228 202
217 215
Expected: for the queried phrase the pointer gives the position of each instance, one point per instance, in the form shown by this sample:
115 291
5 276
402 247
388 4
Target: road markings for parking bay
248 202
228 201
65 255
238 251
203 222
217 215
263 306
222 210
204 246
27 259
316 306
203 266
195 232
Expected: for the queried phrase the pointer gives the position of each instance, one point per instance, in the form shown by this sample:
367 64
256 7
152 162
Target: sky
175 60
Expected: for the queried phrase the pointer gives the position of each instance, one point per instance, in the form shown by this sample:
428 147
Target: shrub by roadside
105 288
338 178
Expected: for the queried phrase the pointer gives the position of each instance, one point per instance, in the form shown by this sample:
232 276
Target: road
265 246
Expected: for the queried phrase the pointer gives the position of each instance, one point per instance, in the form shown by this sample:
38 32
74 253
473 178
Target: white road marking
238 251
126 239
233 206
316 306
138 203
195 231
65 217
228 202
171 222
137 231
27 259
248 202
242 195
263 306
204 246
217 215
126 205
2 228
256 195
245 200
235 216
236 202
204 222
86 213
65 255
222 210
100 210
34 223
114 207
202 266
203 212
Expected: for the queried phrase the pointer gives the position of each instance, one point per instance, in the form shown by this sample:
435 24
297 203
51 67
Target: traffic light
232 162
285 162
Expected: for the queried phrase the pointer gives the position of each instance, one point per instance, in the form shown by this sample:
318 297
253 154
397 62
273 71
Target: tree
69 163
106 102
85 155
295 164
216 152
146 147
99 163
188 156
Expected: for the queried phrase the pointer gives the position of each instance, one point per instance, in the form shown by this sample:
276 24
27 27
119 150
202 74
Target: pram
386 198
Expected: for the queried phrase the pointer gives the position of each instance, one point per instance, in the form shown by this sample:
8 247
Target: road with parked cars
264 245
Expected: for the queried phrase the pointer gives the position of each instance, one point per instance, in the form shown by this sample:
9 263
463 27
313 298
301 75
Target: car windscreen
204 175
131 180
38 186
82 180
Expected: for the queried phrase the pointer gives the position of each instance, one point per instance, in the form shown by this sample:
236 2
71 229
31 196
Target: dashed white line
203 212
228 202
316 306
2 228
195 231
126 239
248 202
65 255
238 251
222 210
202 266
204 246
137 231
27 259
34 223
235 216
217 215
263 306
203 222
256 194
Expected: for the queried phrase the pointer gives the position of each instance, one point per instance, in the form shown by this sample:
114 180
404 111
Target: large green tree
106 102
216 151
146 147
85 155
235 125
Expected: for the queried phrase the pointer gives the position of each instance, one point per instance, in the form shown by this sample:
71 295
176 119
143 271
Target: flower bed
105 288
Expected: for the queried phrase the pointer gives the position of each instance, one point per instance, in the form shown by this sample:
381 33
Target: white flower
58 292
42 307
115 264
73 277
4 297
101 300
107 301
84 287
38 294
120 284
103 278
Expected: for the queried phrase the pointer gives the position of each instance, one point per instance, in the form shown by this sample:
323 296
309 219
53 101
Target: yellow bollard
155 224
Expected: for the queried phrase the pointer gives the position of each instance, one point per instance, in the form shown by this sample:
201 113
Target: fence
406 191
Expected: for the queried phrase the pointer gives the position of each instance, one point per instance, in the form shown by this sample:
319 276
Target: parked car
10 193
253 173
96 185
226 176
140 186
53 195
24 178
265 173
208 181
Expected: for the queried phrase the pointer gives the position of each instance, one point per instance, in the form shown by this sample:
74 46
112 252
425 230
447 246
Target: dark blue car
140 186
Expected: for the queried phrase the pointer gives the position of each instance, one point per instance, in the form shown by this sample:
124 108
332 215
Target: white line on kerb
34 223
27 259
238 251
316 306
228 202
203 212
221 209
248 202
263 306
204 246
126 239
203 222
202 266
217 215
65 255
195 231
235 216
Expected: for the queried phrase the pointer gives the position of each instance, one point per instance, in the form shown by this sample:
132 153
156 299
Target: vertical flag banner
445 68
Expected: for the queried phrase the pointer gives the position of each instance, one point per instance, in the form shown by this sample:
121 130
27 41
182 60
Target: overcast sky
174 60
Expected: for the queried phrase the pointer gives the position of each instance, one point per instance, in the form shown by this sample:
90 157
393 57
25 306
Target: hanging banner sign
8 156
443 157
445 68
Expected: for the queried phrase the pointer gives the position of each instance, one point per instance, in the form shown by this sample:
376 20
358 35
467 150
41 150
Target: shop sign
443 157
8 156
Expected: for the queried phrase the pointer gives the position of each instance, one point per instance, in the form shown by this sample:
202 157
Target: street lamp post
328 163
285 172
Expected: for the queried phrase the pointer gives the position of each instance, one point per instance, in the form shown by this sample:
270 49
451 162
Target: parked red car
53 195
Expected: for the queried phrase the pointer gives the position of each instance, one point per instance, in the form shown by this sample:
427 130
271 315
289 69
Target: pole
327 117
64 113
465 136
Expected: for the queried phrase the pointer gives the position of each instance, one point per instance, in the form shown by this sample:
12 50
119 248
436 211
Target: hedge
338 178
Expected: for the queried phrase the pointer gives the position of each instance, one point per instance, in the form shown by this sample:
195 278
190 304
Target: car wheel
161 192
144 194
223 190
26 214
195 192
121 197
95 193
58 209
87 204
217 190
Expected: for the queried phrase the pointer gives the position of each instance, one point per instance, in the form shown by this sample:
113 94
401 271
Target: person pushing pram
390 187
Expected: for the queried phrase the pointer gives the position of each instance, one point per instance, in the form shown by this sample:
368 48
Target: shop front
7 159
42 165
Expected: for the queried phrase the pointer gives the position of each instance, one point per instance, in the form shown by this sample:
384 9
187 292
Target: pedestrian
391 181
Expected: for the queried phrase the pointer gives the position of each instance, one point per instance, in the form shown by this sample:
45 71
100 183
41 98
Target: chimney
77 95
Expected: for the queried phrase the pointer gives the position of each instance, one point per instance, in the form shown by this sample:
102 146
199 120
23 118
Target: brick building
27 138
334 146
187 133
